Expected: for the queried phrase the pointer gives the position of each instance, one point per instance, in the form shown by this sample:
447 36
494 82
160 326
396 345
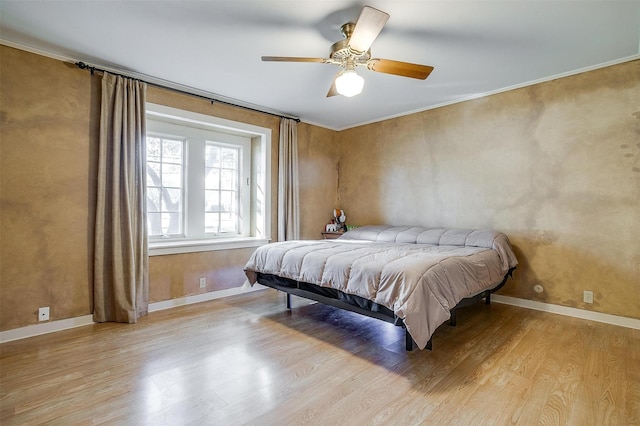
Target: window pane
154 223
172 200
153 174
172 175
153 200
171 223
228 180
228 222
212 180
229 158
211 221
172 151
153 149
212 156
228 201
212 201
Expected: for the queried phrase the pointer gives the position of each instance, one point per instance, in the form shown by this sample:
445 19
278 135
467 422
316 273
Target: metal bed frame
339 299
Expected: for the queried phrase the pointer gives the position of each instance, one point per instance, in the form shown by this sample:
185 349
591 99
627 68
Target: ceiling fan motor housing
340 50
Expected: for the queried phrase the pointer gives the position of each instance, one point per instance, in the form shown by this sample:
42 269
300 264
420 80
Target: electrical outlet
203 282
587 296
43 314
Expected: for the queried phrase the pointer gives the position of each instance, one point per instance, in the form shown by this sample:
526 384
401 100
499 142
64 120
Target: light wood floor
246 360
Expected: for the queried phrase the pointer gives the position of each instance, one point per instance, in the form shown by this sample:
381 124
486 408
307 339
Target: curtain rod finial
84 66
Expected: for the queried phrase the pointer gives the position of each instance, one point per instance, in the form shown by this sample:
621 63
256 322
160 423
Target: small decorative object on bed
414 277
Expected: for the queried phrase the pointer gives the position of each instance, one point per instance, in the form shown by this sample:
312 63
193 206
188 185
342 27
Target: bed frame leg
453 318
408 340
487 299
289 301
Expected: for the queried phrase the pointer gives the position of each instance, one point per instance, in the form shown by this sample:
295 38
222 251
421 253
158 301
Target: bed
414 277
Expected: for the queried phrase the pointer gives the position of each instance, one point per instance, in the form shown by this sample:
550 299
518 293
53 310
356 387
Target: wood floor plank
632 394
561 400
538 359
248 360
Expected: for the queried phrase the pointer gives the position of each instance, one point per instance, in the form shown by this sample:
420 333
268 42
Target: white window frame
182 140
244 180
257 141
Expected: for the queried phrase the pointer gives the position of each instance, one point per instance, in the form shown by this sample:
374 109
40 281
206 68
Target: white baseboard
212 295
567 311
65 324
44 328
53 326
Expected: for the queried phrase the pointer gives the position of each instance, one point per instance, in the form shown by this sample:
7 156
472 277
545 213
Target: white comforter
419 278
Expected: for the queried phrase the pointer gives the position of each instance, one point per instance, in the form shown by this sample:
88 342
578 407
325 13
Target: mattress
418 273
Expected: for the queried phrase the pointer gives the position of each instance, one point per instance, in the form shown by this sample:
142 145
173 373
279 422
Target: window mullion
244 191
220 194
195 188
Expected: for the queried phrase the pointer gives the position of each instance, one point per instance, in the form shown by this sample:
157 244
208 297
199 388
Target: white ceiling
476 47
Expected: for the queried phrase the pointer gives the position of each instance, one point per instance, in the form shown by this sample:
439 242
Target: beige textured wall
49 115
317 168
556 166
45 188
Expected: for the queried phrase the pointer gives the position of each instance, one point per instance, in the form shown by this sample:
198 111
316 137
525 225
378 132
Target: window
221 189
206 182
165 185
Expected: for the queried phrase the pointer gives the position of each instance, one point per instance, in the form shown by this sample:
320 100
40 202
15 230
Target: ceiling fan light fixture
349 83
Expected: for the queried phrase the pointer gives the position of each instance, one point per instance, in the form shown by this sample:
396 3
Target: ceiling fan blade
290 59
333 91
404 69
367 28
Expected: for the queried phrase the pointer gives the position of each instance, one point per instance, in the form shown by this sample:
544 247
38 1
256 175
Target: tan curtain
121 286
288 209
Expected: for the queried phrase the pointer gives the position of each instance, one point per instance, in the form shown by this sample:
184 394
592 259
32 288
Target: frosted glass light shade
349 83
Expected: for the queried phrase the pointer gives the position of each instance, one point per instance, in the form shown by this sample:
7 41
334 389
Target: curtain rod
93 70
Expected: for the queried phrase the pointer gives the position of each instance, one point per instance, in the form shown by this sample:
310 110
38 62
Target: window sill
159 248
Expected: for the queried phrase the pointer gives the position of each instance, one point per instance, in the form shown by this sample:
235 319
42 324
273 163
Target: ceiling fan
355 51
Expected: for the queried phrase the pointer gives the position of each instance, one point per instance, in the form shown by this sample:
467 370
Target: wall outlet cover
43 314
